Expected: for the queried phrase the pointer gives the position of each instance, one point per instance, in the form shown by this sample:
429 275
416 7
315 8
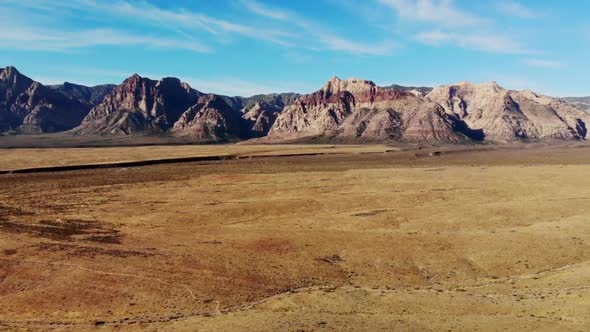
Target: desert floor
352 238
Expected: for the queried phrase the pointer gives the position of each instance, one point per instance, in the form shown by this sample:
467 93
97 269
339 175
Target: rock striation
359 109
140 104
501 115
144 106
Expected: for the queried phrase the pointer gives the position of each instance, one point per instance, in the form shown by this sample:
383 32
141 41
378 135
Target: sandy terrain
43 157
429 239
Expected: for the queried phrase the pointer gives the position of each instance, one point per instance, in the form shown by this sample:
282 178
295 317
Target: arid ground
365 238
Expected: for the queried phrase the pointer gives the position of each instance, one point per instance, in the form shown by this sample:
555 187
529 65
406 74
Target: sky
245 47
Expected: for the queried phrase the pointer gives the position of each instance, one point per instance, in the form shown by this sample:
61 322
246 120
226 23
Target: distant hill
582 102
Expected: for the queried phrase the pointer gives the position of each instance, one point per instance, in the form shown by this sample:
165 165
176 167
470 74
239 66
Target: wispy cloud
21 37
489 42
180 18
516 9
440 12
443 23
540 63
37 25
325 38
182 25
263 10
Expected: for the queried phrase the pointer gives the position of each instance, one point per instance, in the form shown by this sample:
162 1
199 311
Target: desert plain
297 238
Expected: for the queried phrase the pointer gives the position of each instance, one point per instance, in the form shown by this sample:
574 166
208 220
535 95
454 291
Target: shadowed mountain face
27 106
352 110
90 95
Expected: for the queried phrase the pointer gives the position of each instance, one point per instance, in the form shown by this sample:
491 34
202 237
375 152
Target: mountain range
582 102
353 110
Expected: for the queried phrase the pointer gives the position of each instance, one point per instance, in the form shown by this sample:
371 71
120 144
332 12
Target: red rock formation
358 109
161 103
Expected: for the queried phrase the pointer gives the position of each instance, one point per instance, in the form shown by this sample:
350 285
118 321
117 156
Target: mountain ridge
582 102
352 109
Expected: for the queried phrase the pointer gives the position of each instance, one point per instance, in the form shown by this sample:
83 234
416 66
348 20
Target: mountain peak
353 85
9 73
335 79
133 78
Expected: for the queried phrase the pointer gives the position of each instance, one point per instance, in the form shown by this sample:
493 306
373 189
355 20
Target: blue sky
242 47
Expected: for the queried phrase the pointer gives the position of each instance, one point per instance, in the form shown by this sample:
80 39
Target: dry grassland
430 239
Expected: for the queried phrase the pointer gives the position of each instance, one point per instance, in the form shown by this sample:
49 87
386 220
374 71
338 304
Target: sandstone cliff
505 115
359 109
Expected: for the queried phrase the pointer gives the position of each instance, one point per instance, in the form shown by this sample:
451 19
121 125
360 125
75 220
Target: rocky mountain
93 95
358 109
211 118
504 115
27 106
581 102
144 106
415 90
140 105
352 110
214 118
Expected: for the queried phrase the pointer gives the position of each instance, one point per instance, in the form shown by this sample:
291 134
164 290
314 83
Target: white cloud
440 12
488 42
25 38
541 63
516 9
140 15
263 10
186 19
324 38
447 24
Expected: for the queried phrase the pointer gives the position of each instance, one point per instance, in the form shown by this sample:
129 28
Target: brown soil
466 238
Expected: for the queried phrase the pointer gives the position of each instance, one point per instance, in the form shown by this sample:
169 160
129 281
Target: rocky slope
140 105
358 109
144 106
498 114
27 106
211 118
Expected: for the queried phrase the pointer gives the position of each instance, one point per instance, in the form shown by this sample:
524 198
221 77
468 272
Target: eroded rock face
211 118
358 109
154 104
27 106
505 115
